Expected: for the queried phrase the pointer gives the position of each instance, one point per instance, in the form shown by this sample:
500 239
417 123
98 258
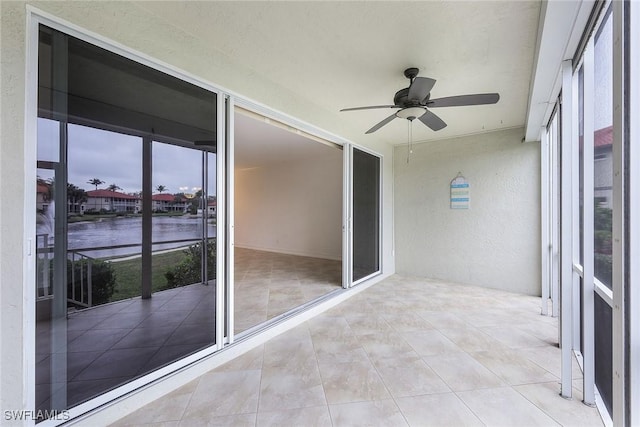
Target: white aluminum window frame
633 284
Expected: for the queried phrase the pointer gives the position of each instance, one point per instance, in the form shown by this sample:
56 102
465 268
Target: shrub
103 280
188 271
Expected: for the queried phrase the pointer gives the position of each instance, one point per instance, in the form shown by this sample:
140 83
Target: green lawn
129 274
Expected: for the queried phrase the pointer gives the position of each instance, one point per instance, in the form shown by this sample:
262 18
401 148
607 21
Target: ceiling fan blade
432 121
382 123
462 100
420 88
370 107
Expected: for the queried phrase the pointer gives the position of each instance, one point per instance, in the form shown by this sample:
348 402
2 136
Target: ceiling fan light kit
410 113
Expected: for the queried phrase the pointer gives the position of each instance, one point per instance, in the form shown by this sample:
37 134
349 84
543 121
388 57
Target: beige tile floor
268 284
403 352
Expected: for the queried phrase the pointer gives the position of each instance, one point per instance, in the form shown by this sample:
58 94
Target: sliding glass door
135 222
126 229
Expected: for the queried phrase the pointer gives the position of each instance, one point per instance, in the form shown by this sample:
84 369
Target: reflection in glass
98 114
603 159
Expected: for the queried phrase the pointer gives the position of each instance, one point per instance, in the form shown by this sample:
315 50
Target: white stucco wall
130 25
496 243
293 207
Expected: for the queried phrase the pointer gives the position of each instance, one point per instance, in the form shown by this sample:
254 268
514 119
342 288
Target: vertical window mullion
221 219
588 355
147 220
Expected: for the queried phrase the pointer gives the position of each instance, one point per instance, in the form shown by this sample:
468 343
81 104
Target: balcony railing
80 266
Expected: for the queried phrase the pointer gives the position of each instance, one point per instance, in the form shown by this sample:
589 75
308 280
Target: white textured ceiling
347 54
259 144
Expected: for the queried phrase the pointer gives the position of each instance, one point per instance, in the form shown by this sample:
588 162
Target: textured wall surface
293 208
496 243
12 176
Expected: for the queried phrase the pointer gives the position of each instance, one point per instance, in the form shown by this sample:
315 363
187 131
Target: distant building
112 201
169 203
211 209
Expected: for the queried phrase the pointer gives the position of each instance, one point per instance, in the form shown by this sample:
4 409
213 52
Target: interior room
287 219
331 213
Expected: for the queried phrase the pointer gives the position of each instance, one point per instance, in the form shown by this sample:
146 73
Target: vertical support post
633 198
58 359
147 215
588 286
230 282
555 219
575 213
544 217
618 223
566 221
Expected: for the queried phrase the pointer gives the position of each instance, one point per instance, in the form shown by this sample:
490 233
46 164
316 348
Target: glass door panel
119 285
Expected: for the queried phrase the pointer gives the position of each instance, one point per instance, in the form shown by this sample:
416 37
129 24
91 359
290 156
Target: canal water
86 235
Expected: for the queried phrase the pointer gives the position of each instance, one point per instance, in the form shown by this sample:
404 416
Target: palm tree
96 182
113 187
75 197
161 188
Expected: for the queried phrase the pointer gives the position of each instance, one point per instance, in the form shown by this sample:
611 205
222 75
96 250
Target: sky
117 159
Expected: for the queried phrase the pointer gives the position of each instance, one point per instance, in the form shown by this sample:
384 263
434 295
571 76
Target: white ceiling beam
559 32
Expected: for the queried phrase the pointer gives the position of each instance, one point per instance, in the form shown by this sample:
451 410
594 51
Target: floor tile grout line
539 408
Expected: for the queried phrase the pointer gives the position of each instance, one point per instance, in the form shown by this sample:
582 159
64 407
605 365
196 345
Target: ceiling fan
414 102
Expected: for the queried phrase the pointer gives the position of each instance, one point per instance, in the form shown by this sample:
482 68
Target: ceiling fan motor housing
400 98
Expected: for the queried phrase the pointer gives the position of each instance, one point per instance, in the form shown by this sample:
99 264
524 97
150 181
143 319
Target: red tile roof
110 194
603 137
166 198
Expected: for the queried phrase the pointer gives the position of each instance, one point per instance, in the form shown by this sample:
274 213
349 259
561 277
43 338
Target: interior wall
293 207
495 243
